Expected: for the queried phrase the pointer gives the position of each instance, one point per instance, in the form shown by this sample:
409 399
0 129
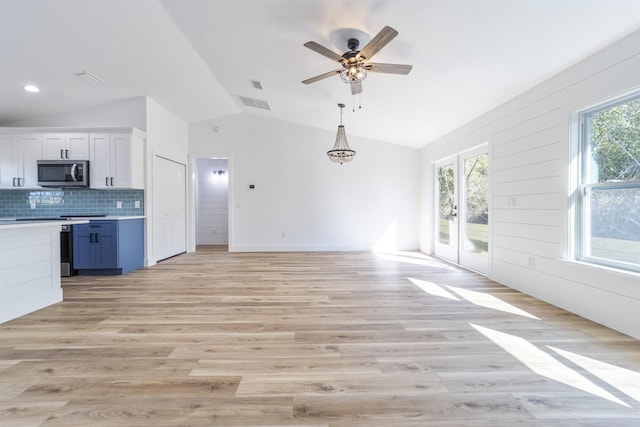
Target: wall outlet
136 203
532 261
119 204
511 201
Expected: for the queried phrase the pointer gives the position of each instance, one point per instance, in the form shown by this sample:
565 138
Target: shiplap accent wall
532 147
212 194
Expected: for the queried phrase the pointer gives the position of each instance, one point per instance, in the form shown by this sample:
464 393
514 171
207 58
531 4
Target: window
609 200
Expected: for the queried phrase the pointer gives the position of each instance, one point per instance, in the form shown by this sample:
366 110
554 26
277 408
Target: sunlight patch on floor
412 258
544 364
484 299
625 380
433 289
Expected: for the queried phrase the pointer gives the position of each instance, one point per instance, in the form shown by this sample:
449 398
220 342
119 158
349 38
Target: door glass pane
447 202
476 173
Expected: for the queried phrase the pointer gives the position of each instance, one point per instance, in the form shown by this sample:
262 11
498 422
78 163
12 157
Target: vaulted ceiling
198 57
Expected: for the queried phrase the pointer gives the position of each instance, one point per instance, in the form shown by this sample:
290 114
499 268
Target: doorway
212 201
462 209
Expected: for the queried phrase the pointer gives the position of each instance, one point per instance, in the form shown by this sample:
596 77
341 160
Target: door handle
74 172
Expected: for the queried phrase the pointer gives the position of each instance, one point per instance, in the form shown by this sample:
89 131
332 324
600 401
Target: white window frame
585 186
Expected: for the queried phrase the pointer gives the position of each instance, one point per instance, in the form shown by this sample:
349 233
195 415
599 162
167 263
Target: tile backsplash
52 203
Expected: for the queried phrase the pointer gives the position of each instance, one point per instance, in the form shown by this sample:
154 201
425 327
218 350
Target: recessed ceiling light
31 88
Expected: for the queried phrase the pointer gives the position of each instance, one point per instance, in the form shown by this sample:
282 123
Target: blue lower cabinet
108 247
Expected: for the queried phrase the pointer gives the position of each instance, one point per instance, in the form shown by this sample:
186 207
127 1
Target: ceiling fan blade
316 47
378 42
356 87
321 76
388 68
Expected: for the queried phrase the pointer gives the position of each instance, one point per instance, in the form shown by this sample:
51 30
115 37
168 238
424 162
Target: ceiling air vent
88 78
255 103
256 84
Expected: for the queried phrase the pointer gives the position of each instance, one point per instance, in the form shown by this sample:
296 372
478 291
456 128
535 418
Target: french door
462 209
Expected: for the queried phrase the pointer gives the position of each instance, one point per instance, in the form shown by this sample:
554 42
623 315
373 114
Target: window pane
476 172
610 231
614 224
614 141
447 202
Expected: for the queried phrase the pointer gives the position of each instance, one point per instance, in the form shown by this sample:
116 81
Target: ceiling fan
354 62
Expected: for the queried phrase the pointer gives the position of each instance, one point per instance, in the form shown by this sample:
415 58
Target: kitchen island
29 266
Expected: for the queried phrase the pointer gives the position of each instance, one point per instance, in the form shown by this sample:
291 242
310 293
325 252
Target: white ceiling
196 57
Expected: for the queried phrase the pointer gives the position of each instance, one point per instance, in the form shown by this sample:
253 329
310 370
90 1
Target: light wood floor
311 339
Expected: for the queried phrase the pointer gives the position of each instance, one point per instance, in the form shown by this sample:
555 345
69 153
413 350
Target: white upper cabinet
19 154
117 160
65 146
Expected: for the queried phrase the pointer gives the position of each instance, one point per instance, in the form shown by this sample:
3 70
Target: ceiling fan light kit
341 152
355 65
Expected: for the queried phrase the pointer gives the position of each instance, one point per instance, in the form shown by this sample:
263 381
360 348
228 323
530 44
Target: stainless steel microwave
63 173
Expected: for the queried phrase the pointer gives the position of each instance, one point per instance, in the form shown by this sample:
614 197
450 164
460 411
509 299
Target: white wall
531 139
301 200
212 200
126 113
168 137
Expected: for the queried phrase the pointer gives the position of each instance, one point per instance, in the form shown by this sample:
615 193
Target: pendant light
341 152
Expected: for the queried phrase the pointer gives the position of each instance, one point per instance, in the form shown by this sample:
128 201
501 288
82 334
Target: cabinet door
30 147
100 160
106 249
78 146
83 248
8 160
65 146
121 162
53 146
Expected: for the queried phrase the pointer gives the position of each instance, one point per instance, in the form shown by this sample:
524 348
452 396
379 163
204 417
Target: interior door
169 208
462 209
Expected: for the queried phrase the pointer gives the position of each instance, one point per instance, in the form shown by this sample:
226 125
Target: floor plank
327 339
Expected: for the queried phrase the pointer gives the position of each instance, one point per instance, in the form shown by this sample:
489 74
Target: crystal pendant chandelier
341 152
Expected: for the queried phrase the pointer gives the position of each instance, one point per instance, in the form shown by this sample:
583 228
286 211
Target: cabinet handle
97 241
20 182
106 181
14 182
66 153
90 237
112 181
62 154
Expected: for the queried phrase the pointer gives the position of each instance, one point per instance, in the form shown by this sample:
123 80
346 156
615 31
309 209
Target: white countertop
11 223
7 224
